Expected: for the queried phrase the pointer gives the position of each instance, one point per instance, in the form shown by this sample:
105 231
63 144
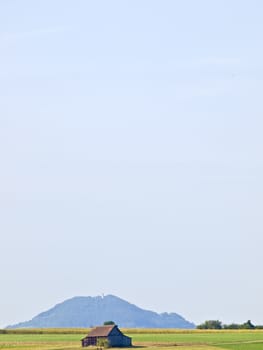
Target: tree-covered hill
92 311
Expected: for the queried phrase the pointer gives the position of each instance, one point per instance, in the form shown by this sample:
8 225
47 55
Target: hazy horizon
131 155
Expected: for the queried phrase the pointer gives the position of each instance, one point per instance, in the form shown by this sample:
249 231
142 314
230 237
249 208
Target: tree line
216 324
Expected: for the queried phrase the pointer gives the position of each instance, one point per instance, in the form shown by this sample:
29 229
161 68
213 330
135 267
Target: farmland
145 339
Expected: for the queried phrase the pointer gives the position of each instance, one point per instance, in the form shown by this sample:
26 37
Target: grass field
147 339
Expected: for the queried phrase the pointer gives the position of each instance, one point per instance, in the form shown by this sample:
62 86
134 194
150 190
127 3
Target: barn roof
102 331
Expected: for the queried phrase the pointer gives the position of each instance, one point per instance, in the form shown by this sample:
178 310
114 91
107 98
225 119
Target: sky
131 155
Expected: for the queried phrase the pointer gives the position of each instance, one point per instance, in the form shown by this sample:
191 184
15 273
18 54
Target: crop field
144 339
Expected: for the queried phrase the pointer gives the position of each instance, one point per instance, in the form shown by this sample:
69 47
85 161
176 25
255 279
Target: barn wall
89 341
127 341
119 340
115 340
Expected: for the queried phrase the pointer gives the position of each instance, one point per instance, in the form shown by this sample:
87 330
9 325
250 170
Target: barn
112 333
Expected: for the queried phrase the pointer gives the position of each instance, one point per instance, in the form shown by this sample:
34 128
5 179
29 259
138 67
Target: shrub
103 343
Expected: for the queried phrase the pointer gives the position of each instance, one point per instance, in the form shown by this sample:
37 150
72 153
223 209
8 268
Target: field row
169 340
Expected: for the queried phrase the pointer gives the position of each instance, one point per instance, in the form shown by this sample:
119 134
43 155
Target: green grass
199 337
40 337
69 339
244 346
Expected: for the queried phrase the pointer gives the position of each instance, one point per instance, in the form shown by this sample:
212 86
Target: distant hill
93 311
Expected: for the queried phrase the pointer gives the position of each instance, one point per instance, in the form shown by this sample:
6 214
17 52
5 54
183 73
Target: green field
69 339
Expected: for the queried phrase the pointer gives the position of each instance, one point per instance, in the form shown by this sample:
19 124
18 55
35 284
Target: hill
92 311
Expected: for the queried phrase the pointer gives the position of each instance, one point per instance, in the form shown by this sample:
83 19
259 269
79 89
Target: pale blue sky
131 155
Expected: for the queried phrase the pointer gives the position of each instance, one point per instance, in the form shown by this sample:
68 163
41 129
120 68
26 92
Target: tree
108 323
247 325
231 326
210 324
103 343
